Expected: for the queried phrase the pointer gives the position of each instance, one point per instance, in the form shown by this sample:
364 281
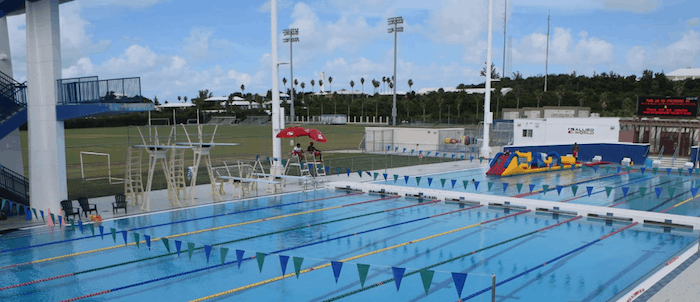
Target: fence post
493 288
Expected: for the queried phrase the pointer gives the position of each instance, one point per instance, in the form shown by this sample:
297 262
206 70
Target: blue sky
178 47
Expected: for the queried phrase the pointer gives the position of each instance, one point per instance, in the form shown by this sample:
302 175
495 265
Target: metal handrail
93 90
14 182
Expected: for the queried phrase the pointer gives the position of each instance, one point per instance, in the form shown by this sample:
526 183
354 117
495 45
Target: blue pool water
594 273
681 187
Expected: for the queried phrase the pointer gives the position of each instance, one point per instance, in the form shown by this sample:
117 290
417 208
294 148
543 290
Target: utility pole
546 59
395 21
505 19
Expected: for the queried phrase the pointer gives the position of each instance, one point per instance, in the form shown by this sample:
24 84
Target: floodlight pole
488 117
395 21
276 142
291 33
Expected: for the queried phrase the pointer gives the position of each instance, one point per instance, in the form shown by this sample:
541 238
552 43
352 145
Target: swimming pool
568 258
658 191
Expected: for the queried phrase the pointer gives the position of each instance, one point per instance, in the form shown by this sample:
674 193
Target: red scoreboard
668 106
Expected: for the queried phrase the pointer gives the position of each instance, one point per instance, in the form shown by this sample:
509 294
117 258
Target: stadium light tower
395 21
291 32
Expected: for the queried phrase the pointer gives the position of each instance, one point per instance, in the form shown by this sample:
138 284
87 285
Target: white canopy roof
175 105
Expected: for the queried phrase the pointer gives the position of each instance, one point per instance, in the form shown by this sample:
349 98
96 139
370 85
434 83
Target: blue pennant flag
337 266
385 176
505 186
476 186
658 191
589 190
618 169
625 190
471 158
388 148
430 181
347 171
328 170
42 215
668 171
398 276
283 264
454 181
437 153
532 187
694 191
207 251
125 237
595 169
239 257
368 173
178 247
453 156
148 241
459 279
80 225
405 178
642 169
559 188
404 150
102 232
690 171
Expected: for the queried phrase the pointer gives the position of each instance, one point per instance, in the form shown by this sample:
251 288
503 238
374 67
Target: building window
527 132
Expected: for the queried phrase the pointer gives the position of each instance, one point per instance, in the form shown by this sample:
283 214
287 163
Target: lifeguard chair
296 161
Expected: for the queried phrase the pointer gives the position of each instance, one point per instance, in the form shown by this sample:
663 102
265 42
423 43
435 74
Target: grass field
255 140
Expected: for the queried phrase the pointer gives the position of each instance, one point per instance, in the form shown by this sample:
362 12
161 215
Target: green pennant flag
396 177
72 224
190 249
519 186
574 189
417 180
671 190
166 243
490 184
224 251
442 181
375 175
359 172
114 234
544 189
33 210
642 190
136 239
481 159
362 269
261 259
608 190
680 171
92 229
656 170
607 169
427 277
629 169
3 203
465 182
297 265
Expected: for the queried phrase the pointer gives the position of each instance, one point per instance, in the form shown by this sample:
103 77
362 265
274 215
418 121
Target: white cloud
682 53
134 4
638 6
693 22
563 50
265 7
196 44
636 58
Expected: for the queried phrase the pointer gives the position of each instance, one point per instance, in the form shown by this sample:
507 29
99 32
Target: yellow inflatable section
521 164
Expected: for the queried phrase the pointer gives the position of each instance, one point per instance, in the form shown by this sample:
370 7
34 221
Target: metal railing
93 90
15 184
13 91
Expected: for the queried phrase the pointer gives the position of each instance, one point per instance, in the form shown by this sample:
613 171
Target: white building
684 73
561 131
237 102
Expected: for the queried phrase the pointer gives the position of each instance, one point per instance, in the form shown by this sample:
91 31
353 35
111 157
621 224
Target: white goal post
112 180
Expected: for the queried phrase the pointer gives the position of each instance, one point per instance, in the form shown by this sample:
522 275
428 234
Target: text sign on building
581 130
671 107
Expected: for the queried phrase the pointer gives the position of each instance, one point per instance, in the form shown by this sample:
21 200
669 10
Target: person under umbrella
311 149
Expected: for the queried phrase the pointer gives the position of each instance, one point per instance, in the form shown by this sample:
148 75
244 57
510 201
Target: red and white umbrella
292 132
316 135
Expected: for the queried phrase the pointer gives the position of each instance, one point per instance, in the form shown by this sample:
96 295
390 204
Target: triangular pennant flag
92 229
404 150
471 158
608 190
207 251
223 253
60 221
337 266
239 257
532 187
72 224
671 190
458 279
398 275
437 153
337 170
489 184
80 224
190 249
53 219
618 169
28 213
589 190
136 239
297 264
625 190
559 188
102 232
385 175
442 182
658 192
574 188
465 183
42 214
369 173
642 191
362 270
166 242
348 171
124 235
418 180
396 177
427 277
375 175
178 247
481 159
114 234
453 181
607 169
359 172
544 189
642 169
430 181
283 263
595 168
680 171
668 171
261 259
694 191
148 241
505 186
476 186
690 171
328 170
656 170
628 169
429 153
405 179
519 186
2 204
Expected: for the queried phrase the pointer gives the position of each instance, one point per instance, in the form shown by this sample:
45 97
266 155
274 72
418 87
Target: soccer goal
112 180
160 121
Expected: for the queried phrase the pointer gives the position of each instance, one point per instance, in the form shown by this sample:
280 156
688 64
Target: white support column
47 164
10 146
276 142
488 116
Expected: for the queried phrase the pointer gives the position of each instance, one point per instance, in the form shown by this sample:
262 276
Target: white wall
556 131
426 139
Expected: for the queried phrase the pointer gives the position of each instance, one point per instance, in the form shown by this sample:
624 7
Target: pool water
379 231
676 191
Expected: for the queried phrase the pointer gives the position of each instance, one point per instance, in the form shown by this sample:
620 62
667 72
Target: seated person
298 151
311 149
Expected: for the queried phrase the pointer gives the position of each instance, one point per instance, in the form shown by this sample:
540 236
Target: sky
178 47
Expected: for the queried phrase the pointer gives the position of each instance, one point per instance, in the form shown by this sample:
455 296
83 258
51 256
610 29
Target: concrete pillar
10 145
47 161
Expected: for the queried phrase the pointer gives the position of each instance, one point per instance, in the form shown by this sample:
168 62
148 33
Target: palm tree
352 95
179 98
312 85
284 81
410 83
229 101
376 100
330 84
362 82
383 82
320 84
494 73
296 83
185 98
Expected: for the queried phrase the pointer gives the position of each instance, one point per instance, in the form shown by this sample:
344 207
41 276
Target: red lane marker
620 230
88 296
36 281
558 224
504 217
413 205
368 201
337 196
455 211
